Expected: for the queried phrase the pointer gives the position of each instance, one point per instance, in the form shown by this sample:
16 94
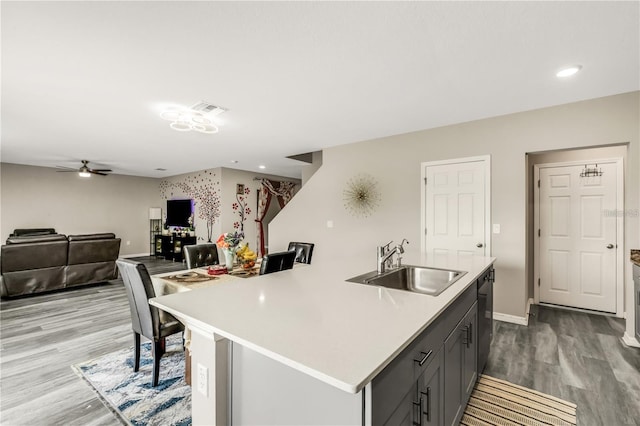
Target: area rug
130 394
498 402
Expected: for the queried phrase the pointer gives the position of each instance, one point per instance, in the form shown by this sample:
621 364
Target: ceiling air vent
207 108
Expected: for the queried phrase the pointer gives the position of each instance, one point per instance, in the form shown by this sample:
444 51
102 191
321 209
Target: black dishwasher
485 316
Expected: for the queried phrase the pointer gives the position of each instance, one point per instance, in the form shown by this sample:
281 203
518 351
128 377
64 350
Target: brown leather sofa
47 261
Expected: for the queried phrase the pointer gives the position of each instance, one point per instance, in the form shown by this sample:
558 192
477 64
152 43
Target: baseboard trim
630 341
511 318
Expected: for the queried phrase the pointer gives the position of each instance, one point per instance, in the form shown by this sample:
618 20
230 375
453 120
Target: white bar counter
311 320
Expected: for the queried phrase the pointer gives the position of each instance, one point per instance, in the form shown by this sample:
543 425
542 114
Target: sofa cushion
39 254
91 251
87 237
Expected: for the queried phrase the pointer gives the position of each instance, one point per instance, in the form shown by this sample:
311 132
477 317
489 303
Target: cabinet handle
465 338
419 406
424 358
470 333
427 395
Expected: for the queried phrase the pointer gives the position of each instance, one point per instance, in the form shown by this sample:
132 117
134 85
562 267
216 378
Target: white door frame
486 159
619 226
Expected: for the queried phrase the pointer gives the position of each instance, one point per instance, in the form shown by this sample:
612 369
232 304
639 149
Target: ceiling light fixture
84 174
568 71
262 166
187 119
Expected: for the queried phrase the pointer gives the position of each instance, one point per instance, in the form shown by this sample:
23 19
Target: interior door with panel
456 219
577 237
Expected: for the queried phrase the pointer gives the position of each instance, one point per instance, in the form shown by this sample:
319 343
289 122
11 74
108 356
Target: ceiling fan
85 170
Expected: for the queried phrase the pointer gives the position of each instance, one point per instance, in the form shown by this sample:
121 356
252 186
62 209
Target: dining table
193 279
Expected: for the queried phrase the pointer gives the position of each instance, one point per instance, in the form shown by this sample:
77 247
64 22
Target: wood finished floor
575 356
42 336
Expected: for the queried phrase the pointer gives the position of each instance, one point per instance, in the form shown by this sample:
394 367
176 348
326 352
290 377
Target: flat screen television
179 212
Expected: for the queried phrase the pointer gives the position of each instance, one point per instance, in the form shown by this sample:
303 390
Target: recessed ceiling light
262 166
234 161
568 71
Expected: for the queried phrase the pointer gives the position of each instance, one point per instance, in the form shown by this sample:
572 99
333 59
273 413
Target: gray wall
395 162
34 197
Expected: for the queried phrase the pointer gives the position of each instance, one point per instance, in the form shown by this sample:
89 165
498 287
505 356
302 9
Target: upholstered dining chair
303 251
275 262
146 319
201 255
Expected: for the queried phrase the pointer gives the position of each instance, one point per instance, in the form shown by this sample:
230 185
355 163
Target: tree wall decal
204 189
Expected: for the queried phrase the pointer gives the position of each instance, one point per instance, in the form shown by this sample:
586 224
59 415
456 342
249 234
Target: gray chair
303 251
146 319
201 255
275 262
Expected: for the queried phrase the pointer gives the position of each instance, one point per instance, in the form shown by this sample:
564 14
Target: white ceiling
87 80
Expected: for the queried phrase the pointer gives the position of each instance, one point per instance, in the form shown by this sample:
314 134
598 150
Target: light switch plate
496 228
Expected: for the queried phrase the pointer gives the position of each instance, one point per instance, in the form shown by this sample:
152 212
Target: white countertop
311 319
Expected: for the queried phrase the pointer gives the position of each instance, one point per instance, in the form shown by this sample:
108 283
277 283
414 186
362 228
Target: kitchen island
307 345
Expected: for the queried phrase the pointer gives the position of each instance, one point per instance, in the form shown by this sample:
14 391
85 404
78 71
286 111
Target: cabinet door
453 372
470 351
460 366
431 392
407 410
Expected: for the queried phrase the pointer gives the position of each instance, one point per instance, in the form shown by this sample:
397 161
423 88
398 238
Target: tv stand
170 246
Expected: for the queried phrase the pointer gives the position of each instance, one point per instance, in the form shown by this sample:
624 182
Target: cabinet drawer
392 383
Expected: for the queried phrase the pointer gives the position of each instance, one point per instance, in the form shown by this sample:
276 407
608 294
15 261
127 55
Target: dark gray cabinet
460 366
423 403
431 393
429 383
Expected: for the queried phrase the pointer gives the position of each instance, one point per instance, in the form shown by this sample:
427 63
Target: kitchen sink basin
418 279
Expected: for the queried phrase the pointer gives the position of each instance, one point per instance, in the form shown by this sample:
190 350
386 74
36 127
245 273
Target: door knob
609 246
479 245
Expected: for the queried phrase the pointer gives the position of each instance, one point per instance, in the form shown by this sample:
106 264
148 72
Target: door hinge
425 231
538 183
538 232
425 181
538 282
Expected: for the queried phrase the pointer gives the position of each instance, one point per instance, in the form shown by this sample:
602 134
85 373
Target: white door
456 219
577 237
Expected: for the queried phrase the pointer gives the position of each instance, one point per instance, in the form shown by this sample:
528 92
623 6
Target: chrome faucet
384 254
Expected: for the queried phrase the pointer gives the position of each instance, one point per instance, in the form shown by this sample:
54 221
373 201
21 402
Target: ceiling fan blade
66 169
98 173
101 170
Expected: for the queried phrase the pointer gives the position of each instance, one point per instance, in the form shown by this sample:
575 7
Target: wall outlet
203 380
329 224
128 243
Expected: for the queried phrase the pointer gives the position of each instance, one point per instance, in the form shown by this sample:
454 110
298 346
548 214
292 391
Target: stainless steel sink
431 281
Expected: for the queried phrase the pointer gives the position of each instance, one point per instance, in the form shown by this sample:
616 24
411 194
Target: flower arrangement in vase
229 242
